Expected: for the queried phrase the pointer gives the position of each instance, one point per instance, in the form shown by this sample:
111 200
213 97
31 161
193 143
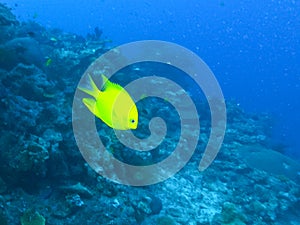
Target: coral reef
41 167
6 16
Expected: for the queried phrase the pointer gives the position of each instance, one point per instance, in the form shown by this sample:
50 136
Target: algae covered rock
31 217
26 156
270 161
78 189
165 220
230 215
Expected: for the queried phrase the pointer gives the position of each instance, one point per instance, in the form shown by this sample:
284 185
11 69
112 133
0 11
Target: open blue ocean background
252 47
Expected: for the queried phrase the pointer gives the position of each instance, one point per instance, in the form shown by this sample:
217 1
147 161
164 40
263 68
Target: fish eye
132 121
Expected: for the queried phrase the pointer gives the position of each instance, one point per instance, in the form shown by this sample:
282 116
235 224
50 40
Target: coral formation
165 220
6 16
40 163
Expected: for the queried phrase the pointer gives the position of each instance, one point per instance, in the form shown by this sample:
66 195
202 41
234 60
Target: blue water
253 47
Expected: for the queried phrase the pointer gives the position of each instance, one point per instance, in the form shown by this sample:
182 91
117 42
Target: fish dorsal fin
104 80
107 84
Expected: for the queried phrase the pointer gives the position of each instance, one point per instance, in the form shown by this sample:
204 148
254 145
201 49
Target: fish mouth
133 126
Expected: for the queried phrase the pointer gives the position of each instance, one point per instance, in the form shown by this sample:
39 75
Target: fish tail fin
90 104
95 92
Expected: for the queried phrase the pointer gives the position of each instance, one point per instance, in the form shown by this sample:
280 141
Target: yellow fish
48 62
113 105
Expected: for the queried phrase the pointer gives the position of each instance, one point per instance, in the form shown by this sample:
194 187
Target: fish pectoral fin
90 104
